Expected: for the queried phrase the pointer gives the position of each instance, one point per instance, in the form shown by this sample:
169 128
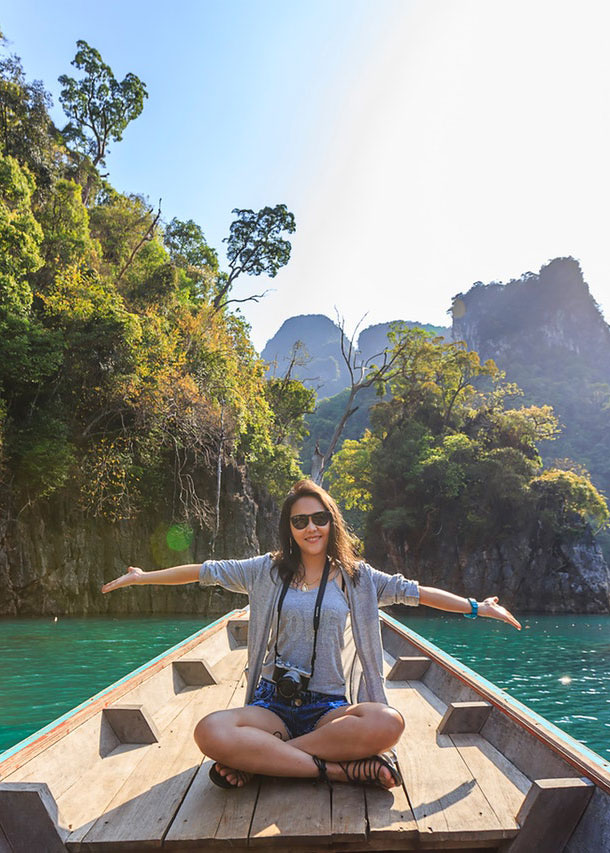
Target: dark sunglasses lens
320 519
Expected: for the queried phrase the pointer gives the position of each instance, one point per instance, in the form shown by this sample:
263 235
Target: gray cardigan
374 589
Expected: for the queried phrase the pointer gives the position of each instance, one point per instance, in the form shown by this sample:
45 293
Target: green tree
570 500
187 245
98 107
196 261
20 236
445 458
120 381
255 246
26 130
65 223
289 401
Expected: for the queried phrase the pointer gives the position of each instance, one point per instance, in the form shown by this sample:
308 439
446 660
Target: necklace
304 586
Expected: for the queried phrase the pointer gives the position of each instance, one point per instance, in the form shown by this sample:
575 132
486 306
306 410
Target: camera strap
316 613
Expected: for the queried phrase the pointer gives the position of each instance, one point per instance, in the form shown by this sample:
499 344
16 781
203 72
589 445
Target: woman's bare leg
253 739
353 732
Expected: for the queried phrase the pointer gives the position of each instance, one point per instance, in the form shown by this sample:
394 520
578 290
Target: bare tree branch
254 298
368 374
147 236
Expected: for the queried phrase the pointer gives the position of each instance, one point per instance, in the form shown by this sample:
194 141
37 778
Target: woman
297 721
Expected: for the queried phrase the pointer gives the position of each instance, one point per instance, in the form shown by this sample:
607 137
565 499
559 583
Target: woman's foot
234 778
375 770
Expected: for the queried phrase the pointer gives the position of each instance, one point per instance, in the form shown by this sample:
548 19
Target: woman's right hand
131 577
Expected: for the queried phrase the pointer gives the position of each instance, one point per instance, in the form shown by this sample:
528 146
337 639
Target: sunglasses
320 519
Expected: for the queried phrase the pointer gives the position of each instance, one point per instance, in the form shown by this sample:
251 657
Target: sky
422 145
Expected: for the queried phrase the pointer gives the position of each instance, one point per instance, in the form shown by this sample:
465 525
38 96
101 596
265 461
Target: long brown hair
341 545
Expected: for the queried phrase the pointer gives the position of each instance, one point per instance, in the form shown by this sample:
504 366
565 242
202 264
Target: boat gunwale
21 753
579 756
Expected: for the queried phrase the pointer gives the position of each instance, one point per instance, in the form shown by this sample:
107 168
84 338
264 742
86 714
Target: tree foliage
26 130
122 384
20 236
255 246
98 107
447 457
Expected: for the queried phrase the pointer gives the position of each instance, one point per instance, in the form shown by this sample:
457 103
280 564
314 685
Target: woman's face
312 540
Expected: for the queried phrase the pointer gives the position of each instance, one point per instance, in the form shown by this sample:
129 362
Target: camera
289 680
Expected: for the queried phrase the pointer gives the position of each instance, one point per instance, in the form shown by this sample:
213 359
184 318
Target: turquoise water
50 667
558 665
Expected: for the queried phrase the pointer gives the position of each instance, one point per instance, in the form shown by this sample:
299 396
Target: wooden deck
460 791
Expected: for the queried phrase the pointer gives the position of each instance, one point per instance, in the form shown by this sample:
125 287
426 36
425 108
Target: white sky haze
474 145
422 145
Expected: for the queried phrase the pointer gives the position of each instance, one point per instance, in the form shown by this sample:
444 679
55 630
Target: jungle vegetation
124 370
443 458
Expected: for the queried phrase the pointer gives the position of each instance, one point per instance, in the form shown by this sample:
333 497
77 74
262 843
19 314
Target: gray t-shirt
295 644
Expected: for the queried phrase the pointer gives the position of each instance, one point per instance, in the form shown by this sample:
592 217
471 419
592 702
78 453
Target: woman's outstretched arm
234 575
176 575
443 600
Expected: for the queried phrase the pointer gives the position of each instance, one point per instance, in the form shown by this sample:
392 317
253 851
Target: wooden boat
481 771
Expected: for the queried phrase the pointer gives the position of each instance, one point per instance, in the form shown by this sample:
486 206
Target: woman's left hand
492 610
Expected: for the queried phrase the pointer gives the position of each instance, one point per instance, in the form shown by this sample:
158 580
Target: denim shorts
298 719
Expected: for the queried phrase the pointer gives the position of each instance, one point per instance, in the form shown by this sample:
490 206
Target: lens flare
179 537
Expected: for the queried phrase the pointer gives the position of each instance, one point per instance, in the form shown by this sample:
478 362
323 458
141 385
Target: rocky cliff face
551 311
547 334
53 559
527 575
321 365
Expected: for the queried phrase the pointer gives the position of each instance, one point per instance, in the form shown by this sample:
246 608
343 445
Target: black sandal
321 765
222 781
365 771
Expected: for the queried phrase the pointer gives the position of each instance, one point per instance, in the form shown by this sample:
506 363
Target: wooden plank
523 749
550 813
231 666
408 668
446 800
503 785
291 812
389 815
464 717
83 803
5 847
211 816
30 819
239 805
348 813
143 808
236 815
65 761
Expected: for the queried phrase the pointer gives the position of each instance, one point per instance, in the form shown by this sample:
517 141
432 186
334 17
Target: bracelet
474 611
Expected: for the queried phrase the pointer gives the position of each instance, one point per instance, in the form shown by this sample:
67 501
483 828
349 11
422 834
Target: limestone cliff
54 559
528 573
